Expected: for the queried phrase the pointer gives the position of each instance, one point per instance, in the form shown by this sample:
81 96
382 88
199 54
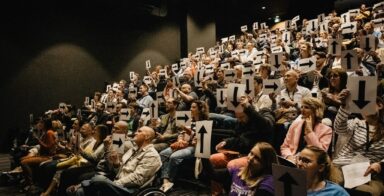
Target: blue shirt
329 189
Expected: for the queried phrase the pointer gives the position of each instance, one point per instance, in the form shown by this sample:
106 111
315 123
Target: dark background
62 51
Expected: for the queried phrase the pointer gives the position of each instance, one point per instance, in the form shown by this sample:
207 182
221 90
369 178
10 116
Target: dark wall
56 52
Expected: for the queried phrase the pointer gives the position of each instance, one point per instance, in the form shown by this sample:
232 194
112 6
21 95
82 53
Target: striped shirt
356 130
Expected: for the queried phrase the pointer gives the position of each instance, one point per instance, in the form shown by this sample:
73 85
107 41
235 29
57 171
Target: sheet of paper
354 174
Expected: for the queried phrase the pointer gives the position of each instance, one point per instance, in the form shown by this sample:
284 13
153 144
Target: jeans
101 185
171 160
228 122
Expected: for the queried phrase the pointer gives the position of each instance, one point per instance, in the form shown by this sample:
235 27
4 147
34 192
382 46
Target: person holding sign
256 177
307 129
321 174
183 148
135 168
145 99
366 139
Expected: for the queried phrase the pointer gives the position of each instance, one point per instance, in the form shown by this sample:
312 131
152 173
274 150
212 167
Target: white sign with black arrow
353 12
321 18
154 109
198 77
276 59
349 27
200 50
307 64
378 22
234 93
221 94
225 66
312 26
203 134
147 80
183 118
248 71
286 37
367 43
363 94
148 64
334 47
124 115
145 115
349 60
272 86
289 181
111 107
345 17
249 86
229 75
175 68
118 142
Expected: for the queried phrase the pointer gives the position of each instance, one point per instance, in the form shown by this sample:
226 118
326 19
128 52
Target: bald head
121 127
144 136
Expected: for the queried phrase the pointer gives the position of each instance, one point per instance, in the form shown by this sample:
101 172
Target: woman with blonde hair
256 177
307 129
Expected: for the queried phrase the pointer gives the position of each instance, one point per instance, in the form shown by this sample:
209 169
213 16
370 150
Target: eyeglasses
333 76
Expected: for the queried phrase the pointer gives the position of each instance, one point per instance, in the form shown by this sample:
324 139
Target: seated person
256 177
307 129
135 168
321 174
360 142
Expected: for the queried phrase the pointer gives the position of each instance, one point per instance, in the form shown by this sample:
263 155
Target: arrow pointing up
288 181
345 18
286 38
361 102
202 131
348 56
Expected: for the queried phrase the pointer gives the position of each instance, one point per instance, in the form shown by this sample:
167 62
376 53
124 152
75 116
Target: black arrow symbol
274 86
277 65
153 109
221 97
354 12
234 102
345 18
367 48
198 77
258 63
348 56
321 18
247 90
261 54
288 23
110 106
318 41
231 74
313 26
250 72
209 68
202 131
118 142
146 113
288 181
185 118
334 43
309 63
350 27
379 21
125 113
361 102
286 38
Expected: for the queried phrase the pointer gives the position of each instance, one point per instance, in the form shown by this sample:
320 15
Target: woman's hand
220 145
344 94
308 125
373 168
